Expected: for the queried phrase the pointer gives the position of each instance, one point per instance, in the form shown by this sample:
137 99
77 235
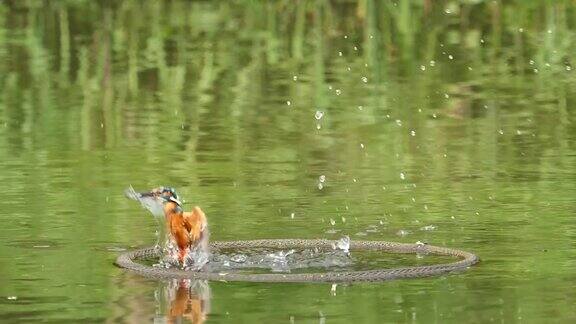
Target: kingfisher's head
165 194
156 200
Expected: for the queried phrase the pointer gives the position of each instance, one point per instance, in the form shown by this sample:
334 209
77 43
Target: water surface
450 122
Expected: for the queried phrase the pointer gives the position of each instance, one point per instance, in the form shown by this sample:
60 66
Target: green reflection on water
455 114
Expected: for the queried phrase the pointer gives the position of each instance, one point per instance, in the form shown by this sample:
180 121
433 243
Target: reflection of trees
128 66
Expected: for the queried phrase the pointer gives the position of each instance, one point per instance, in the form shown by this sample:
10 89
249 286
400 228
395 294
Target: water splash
152 204
343 244
279 260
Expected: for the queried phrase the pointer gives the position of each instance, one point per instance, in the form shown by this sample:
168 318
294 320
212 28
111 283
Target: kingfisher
188 230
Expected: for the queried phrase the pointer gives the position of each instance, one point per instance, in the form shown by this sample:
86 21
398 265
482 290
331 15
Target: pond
447 122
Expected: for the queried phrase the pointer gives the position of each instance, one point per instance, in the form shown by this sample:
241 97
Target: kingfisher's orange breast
185 227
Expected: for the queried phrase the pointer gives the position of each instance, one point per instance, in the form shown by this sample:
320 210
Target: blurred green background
450 122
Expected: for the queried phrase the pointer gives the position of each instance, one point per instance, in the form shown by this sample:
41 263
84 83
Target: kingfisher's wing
197 225
152 203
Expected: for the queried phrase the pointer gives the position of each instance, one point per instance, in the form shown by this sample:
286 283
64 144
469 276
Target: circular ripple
466 259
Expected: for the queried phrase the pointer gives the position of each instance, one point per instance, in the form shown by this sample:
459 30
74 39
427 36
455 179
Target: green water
455 114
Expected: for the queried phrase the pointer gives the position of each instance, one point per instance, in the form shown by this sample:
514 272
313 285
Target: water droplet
398 122
549 31
432 63
361 145
345 36
428 228
446 96
295 78
402 232
531 62
521 30
343 219
322 178
318 126
450 57
422 67
329 87
568 68
434 115
402 176
535 70
333 289
319 114
101 125
292 215
360 107
338 92
288 102
12 297
501 132
413 133
355 48
332 222
349 69
339 53
320 186
364 79
482 40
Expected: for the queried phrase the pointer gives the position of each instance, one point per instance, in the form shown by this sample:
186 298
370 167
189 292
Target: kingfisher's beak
147 194
134 195
152 193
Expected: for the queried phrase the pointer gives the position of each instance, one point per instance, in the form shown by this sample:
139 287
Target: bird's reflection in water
183 300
